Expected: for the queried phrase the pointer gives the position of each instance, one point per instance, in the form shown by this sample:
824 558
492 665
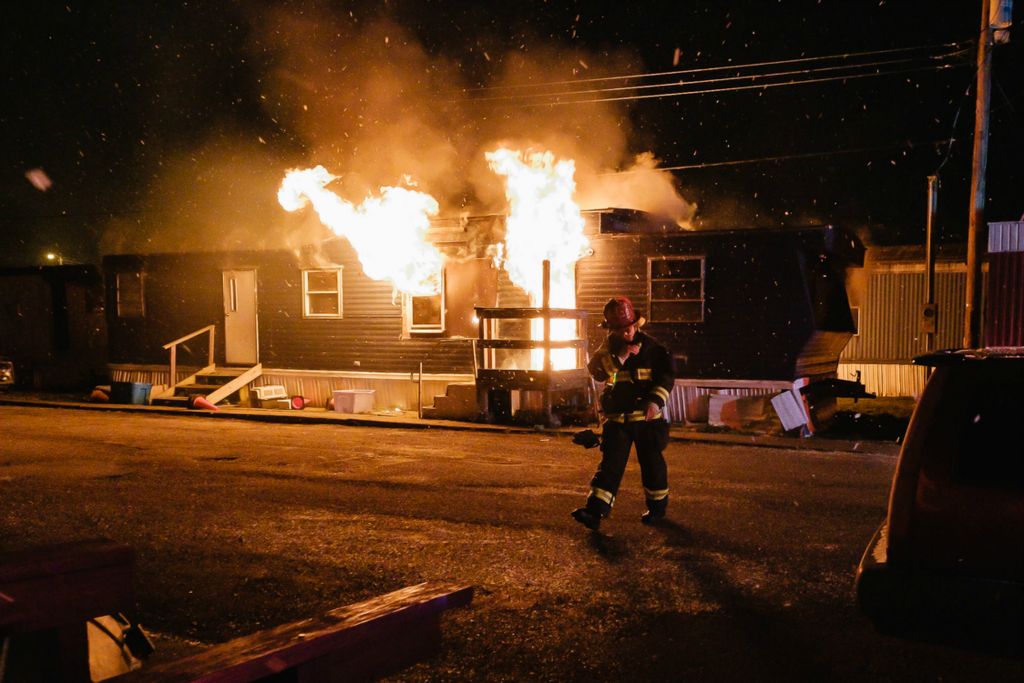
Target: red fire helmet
619 313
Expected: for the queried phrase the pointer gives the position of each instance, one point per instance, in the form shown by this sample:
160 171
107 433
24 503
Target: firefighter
638 373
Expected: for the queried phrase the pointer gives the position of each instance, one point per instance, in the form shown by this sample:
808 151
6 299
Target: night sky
166 126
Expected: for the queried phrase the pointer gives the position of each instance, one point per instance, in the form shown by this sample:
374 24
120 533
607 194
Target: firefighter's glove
587 438
617 346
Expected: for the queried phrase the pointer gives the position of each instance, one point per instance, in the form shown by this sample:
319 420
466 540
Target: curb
679 434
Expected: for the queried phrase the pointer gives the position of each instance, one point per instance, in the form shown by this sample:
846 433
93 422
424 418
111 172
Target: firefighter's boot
590 515
588 518
655 511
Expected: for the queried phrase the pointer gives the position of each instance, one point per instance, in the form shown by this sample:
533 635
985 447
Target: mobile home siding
757 317
1004 306
183 292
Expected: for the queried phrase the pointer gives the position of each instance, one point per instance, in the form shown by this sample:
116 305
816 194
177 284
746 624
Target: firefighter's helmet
619 313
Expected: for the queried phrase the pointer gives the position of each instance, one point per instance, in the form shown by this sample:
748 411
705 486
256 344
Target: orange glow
544 223
387 231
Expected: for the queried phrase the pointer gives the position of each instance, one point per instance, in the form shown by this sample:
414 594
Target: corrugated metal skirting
689 400
389 393
1004 300
886 379
1005 236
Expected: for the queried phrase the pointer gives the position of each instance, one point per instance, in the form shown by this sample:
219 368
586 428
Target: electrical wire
752 65
754 86
776 74
781 157
952 133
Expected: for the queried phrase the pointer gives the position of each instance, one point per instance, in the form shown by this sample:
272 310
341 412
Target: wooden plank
525 313
360 635
531 343
533 380
61 558
234 385
56 585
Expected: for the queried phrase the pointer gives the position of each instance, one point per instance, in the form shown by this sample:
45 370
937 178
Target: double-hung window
321 293
424 314
675 289
131 301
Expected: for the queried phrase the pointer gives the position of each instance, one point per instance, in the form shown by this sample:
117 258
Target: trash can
130 392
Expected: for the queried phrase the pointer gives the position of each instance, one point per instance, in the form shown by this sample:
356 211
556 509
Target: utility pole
976 232
930 315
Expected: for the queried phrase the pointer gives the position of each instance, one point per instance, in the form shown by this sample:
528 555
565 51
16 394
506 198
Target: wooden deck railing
173 346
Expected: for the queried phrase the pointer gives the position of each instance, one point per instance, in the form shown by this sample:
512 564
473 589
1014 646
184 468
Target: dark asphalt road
243 525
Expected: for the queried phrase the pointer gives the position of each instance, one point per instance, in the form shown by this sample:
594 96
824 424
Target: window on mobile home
130 298
321 293
675 292
424 314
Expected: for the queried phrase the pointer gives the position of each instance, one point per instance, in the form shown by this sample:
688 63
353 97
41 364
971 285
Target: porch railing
173 347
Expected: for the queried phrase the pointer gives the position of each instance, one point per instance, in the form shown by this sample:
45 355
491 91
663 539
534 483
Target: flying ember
544 223
387 231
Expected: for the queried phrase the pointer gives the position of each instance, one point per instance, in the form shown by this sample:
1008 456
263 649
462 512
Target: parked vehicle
6 372
947 563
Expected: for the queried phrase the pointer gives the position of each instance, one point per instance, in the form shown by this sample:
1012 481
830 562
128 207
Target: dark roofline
79 271
914 253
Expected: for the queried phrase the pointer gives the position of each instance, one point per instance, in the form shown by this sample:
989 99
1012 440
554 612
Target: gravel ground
239 526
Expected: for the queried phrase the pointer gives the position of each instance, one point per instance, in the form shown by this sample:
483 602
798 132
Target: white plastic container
353 400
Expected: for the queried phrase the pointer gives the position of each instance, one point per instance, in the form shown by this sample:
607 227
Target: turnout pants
617 438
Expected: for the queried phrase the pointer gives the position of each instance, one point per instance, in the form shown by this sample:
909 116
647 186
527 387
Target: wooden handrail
189 336
172 379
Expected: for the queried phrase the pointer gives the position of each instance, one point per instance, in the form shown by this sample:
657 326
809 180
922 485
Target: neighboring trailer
1004 293
888 297
52 326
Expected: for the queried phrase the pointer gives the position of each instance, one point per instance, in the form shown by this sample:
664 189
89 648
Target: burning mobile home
480 317
747 312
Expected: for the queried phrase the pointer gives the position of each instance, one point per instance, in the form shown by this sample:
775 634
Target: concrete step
458 403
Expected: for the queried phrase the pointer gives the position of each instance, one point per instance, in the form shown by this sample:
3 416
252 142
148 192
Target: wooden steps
215 384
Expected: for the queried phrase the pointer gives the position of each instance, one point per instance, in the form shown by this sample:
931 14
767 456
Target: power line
754 86
725 79
752 65
782 157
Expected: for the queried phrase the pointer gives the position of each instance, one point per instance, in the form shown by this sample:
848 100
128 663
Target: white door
240 317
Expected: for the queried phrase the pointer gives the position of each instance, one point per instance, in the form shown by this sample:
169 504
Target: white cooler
353 400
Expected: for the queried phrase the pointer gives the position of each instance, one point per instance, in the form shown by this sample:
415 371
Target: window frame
651 280
409 329
122 309
306 292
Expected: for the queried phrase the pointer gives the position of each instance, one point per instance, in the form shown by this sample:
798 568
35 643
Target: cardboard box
276 403
353 400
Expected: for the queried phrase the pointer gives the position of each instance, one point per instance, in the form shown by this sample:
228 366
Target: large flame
388 231
544 223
